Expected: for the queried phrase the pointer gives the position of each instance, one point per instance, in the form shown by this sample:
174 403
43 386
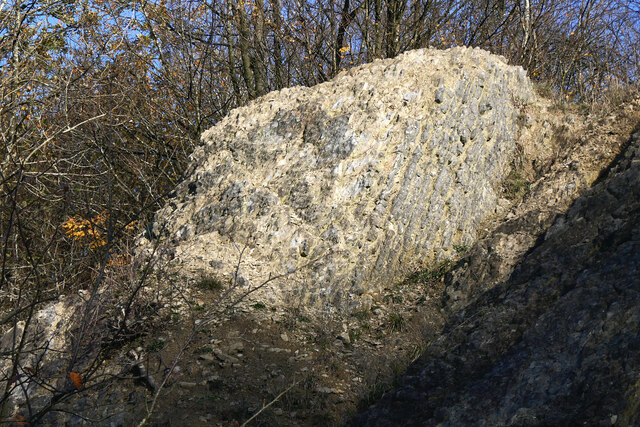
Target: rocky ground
327 369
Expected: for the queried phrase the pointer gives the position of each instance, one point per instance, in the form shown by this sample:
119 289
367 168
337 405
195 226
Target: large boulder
351 184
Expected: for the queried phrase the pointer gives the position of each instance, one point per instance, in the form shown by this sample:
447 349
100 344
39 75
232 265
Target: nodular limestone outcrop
349 185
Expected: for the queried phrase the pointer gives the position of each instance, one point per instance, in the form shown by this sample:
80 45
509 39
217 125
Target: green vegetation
304 319
515 186
461 249
354 335
397 322
209 283
362 314
156 345
429 274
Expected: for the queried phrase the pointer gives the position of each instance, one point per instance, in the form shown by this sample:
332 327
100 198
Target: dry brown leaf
77 379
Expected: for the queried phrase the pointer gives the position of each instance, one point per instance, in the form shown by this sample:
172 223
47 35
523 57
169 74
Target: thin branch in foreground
275 399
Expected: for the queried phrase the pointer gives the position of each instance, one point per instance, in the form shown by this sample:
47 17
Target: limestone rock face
45 349
348 185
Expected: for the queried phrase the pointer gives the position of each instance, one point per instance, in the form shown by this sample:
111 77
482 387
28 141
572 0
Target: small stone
284 337
187 384
344 337
225 357
236 347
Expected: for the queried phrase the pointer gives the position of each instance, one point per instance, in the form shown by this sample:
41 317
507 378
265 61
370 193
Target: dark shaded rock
555 344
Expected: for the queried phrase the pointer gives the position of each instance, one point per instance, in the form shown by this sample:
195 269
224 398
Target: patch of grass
397 322
259 306
461 249
321 338
377 388
429 274
393 298
354 335
209 283
515 186
209 397
156 345
362 315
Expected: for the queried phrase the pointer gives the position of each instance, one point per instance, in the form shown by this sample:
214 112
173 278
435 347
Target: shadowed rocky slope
558 343
384 169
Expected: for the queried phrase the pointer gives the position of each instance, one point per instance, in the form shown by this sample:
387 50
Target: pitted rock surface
353 183
45 350
558 342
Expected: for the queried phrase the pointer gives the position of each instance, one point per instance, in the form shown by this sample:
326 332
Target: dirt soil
282 366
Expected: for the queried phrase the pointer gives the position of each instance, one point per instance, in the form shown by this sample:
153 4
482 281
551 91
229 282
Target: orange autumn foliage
76 379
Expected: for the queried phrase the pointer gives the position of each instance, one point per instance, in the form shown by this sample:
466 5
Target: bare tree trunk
258 59
379 29
245 50
277 44
526 31
394 13
337 53
228 30
12 132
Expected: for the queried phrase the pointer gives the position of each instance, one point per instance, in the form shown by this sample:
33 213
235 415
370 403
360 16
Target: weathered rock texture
386 169
584 147
557 342
45 349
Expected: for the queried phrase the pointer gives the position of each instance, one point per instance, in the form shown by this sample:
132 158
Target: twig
68 129
269 404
